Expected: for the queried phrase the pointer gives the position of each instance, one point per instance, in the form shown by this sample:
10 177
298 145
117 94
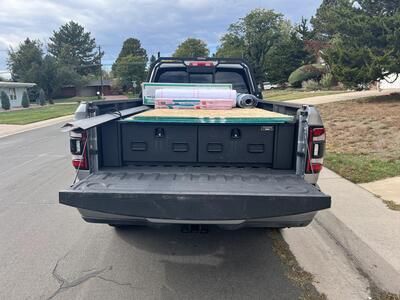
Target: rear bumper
196 207
284 221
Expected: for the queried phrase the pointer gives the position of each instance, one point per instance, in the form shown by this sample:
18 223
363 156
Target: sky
160 25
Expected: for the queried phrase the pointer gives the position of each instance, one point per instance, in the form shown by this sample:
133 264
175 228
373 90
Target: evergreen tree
5 101
25 100
25 62
130 66
192 47
72 46
42 98
363 39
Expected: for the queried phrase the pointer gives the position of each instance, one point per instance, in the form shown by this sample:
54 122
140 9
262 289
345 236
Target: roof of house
10 84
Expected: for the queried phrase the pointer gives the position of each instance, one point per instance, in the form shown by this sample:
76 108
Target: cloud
160 24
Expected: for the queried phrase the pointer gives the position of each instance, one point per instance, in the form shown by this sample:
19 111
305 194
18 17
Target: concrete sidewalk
342 97
387 189
367 230
6 130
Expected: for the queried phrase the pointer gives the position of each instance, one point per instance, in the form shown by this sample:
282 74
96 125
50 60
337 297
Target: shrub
33 94
25 100
5 101
42 98
310 85
305 73
327 81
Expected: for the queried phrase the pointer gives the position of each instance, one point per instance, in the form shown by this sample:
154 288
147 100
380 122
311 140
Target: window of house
12 94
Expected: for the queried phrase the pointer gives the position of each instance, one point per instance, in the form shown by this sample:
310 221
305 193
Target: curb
382 273
37 125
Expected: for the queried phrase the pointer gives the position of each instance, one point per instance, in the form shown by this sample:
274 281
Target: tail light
316 149
78 142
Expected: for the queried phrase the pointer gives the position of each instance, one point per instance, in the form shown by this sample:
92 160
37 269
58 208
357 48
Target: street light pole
101 73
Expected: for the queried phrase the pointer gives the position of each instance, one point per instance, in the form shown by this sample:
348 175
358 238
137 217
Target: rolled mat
195 93
246 100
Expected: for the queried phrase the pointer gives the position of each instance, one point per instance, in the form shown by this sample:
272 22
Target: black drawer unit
236 144
158 143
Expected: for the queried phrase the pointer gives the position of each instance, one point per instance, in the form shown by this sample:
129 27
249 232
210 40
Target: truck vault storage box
158 143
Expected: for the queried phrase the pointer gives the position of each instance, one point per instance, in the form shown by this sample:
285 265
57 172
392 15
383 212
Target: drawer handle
255 148
138 146
215 147
180 147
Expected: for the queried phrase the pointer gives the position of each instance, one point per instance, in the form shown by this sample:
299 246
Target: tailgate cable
79 166
309 158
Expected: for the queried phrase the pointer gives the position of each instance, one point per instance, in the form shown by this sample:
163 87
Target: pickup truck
230 175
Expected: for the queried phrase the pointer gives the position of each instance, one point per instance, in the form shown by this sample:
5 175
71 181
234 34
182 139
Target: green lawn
361 168
30 115
293 94
363 137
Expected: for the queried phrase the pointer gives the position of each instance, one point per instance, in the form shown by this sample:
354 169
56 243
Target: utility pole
101 73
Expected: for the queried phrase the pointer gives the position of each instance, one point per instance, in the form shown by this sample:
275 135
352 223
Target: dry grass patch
363 137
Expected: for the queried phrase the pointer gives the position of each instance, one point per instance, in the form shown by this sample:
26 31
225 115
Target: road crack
117 283
65 284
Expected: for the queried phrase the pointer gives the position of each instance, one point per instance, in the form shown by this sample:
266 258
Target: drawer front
142 142
236 144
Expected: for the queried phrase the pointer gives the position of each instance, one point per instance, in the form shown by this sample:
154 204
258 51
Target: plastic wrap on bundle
246 100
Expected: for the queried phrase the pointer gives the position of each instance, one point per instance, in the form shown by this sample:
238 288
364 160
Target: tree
379 7
232 46
192 47
285 55
152 60
5 101
25 100
132 46
42 98
27 63
131 63
363 39
72 46
55 75
253 36
24 63
130 69
304 30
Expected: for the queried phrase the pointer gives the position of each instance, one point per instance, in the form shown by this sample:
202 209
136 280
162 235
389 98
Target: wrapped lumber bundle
195 99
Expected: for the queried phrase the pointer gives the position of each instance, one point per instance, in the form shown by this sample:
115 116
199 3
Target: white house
15 90
392 82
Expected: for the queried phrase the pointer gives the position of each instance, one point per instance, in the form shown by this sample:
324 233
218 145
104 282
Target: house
15 90
90 89
391 81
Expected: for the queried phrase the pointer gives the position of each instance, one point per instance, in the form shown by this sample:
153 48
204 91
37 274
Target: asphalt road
47 251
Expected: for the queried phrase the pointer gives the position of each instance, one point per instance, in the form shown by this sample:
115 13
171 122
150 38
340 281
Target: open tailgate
195 193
